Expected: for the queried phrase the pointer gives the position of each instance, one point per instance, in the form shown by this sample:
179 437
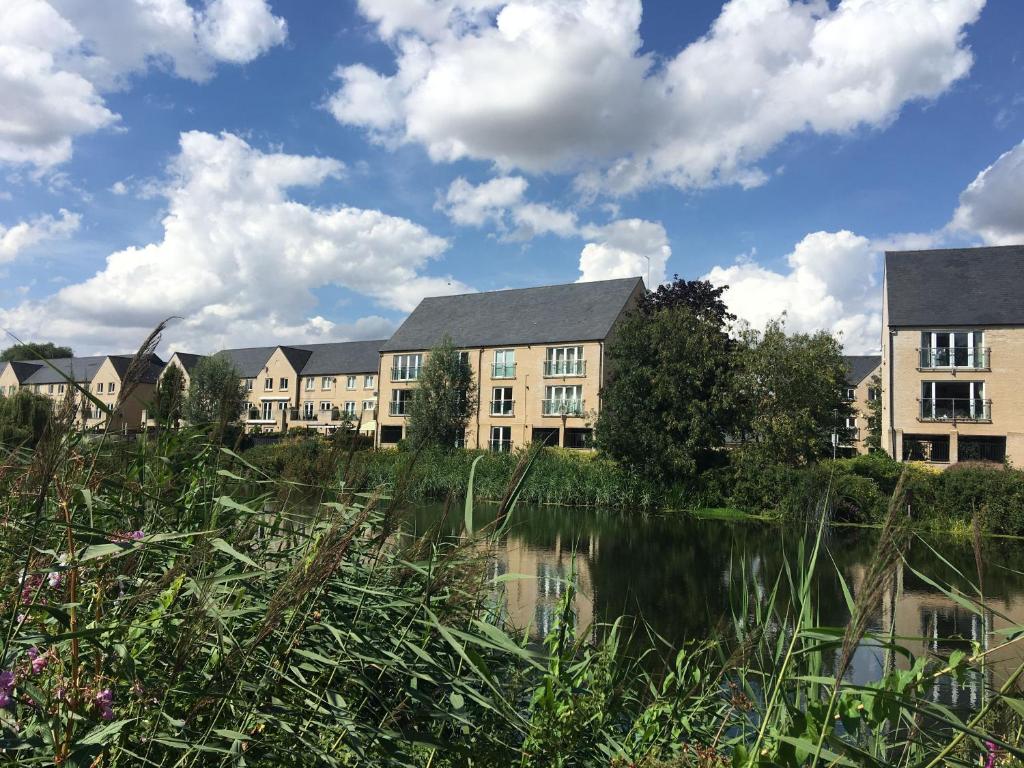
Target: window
851 422
268 410
501 401
464 359
307 409
310 383
325 405
504 365
248 385
874 394
953 349
981 449
850 394
110 387
954 401
400 399
368 405
283 383
390 434
926 448
49 388
268 384
350 407
368 381
501 439
60 389
580 439
350 382
565 361
326 382
406 367
563 401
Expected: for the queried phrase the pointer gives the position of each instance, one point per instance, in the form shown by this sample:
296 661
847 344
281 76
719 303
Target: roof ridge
533 288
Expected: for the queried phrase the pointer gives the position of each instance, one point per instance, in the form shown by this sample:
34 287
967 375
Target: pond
684 575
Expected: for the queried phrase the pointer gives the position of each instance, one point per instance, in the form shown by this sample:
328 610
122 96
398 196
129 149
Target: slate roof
861 366
340 357
249 361
548 314
22 369
188 360
80 369
956 286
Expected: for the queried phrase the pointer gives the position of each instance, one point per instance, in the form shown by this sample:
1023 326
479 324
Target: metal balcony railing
502 407
565 367
569 407
406 372
398 408
503 370
976 358
500 446
956 409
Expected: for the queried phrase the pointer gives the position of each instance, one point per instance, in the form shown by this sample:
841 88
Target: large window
565 361
406 367
268 384
310 383
326 382
566 400
268 410
368 381
400 400
502 403
307 409
501 439
953 349
504 365
933 448
350 407
390 434
581 439
954 401
350 382
978 448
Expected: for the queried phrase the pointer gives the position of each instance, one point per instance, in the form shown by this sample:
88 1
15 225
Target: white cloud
119 188
992 206
240 260
625 248
58 56
831 284
25 234
561 85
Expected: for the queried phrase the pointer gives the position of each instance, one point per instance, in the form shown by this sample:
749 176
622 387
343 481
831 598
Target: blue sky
287 171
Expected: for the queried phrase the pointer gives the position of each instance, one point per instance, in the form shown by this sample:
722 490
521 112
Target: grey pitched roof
342 357
249 361
861 366
150 373
22 369
80 369
548 314
297 356
188 360
956 286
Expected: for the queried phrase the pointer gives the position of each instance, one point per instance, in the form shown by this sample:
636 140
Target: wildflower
993 754
129 535
55 579
39 660
105 702
29 585
7 681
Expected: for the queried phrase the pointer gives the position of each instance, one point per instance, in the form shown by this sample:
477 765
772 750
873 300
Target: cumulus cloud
546 85
57 58
239 259
992 206
25 234
625 248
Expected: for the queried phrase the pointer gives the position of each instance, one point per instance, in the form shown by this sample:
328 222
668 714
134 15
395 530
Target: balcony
398 408
952 358
956 409
503 407
500 446
503 370
562 407
565 367
406 372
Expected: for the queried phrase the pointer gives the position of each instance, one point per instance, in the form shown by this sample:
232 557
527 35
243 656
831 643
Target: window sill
953 422
959 369
502 415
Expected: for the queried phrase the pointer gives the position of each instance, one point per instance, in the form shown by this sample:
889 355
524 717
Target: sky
275 171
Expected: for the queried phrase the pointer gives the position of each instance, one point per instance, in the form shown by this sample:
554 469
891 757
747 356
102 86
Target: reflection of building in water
930 623
533 599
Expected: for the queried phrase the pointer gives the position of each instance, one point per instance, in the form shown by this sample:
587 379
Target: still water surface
684 576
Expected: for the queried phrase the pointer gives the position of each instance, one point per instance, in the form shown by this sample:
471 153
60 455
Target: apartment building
317 386
538 357
953 355
860 393
186 363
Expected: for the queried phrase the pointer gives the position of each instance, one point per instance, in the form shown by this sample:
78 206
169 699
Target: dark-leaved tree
169 397
668 402
874 437
216 395
23 418
443 403
34 351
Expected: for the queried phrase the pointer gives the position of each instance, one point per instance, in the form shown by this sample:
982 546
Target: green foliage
34 351
23 418
443 403
169 397
790 391
216 394
668 401
874 437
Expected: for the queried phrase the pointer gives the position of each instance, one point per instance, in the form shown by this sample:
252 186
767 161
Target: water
684 577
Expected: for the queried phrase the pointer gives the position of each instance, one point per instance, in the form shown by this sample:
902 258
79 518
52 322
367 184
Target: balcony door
268 410
953 349
954 401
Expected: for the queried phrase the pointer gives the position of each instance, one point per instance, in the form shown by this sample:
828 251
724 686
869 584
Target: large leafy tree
668 402
169 398
790 391
34 351
216 395
23 418
874 438
443 405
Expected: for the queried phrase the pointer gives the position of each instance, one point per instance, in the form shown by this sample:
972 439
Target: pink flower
7 681
105 701
39 660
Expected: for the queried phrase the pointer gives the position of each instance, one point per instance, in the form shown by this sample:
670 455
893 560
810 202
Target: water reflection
685 577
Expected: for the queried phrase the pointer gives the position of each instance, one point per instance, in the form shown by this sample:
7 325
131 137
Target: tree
668 402
874 438
169 398
442 405
216 394
790 389
34 351
23 418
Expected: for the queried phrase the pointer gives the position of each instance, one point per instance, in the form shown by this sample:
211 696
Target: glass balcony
405 372
570 407
976 358
502 407
398 408
503 370
956 409
565 367
500 446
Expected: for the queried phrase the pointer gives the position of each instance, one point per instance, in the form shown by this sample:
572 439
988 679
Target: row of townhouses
948 377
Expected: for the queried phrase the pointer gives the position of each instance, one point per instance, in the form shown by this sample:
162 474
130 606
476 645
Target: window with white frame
307 409
501 401
562 400
564 361
501 439
110 387
350 382
282 405
49 388
954 401
851 422
368 381
368 405
400 400
325 405
283 383
60 389
850 394
310 384
504 364
248 385
268 384
406 367
350 407
326 382
268 410
953 349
